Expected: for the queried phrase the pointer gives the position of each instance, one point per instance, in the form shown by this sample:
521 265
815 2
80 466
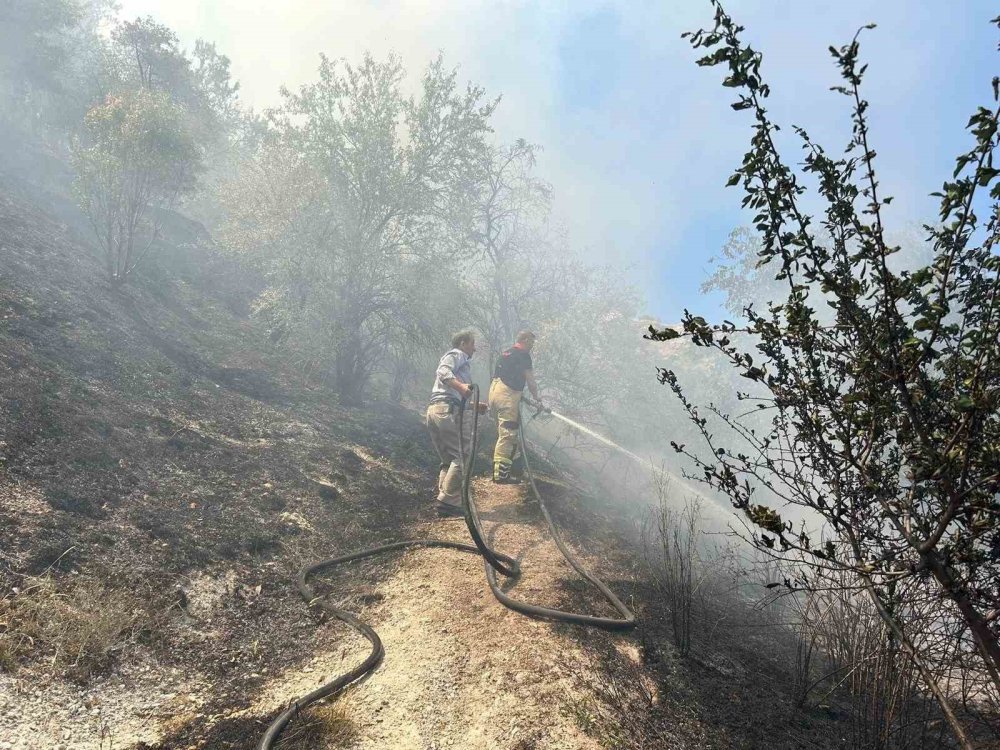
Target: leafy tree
380 175
137 157
587 360
146 54
521 274
507 208
216 90
884 385
84 73
33 53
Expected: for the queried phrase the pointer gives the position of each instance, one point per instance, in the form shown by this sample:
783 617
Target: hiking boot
447 510
508 479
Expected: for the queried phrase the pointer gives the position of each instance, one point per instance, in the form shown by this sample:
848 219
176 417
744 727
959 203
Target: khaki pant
443 427
504 403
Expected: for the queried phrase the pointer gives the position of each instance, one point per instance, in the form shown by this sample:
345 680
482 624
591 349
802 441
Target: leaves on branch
878 387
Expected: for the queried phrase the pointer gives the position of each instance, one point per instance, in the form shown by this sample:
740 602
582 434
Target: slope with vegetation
215 328
166 473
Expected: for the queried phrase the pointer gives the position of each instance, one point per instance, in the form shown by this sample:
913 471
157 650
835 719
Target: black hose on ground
493 561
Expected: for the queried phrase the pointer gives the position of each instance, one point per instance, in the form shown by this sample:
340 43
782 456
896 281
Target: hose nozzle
537 406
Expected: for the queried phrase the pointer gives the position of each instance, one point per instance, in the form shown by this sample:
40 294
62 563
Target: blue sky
638 141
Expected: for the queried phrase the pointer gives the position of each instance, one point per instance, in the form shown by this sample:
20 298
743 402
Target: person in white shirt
452 387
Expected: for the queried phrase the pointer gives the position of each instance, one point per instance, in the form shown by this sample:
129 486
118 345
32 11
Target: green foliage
40 41
138 156
882 385
144 54
30 40
57 61
352 187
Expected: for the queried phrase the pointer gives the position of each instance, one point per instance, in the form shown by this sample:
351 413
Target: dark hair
462 337
524 337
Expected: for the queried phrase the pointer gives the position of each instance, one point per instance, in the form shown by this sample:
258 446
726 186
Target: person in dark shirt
513 372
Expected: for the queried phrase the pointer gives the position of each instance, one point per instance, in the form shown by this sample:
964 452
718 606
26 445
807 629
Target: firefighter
452 387
513 372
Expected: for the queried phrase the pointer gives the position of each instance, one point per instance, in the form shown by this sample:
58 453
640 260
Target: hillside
164 474
156 462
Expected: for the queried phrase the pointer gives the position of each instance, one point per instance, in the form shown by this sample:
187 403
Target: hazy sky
639 141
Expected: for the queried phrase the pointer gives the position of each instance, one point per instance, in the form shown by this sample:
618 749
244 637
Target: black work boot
501 474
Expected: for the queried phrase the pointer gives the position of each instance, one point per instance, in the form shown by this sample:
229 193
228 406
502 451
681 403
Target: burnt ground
150 440
164 472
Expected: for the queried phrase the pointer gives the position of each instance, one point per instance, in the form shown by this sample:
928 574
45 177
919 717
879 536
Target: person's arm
466 391
529 378
463 389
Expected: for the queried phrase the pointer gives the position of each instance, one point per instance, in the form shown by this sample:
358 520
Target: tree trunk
400 375
986 641
928 678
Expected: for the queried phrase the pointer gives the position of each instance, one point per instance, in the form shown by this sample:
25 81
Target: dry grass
621 708
323 727
78 630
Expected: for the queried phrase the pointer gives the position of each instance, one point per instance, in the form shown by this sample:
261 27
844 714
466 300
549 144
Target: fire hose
493 561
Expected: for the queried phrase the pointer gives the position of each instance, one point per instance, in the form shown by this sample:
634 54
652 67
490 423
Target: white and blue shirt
454 364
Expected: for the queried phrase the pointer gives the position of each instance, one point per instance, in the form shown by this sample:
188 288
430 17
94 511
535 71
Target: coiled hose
493 561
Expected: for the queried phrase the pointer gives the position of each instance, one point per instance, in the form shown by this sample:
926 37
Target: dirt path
461 670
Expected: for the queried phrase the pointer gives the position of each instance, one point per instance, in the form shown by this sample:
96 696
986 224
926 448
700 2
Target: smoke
637 141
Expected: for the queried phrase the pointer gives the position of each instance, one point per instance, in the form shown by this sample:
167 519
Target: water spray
659 472
586 430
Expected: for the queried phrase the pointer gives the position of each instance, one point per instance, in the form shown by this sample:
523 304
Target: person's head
465 340
525 339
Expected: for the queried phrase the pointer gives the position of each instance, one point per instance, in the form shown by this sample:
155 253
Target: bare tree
670 538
